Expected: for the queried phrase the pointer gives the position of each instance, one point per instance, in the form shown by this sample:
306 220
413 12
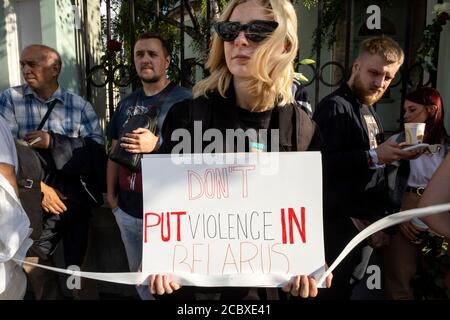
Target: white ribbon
381 224
116 277
183 278
141 278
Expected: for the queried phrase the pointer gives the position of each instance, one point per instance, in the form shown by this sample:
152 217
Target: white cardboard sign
233 219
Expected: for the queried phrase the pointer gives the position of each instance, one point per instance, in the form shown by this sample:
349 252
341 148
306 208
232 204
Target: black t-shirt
284 127
258 121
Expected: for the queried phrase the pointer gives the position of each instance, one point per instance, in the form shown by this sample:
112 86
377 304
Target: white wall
11 44
443 78
28 22
443 75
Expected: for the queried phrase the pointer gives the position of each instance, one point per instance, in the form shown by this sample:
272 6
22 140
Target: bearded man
354 156
124 187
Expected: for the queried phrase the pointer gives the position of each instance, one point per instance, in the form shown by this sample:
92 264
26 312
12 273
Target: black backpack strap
47 114
296 128
305 129
29 171
29 176
284 119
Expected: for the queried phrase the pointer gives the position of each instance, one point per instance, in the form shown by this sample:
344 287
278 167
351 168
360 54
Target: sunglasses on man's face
255 31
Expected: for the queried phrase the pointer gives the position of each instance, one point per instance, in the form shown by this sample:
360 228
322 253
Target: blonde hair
271 79
383 46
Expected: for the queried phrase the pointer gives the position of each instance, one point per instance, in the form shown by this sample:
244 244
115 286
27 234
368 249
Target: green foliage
145 21
426 55
310 3
168 26
428 283
332 10
300 76
201 45
325 32
426 52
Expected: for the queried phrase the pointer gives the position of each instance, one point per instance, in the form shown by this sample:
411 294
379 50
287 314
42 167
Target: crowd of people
251 85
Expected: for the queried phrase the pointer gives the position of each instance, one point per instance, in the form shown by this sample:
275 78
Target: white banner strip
116 277
138 278
381 224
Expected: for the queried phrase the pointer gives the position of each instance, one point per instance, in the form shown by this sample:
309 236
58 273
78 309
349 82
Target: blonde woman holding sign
249 87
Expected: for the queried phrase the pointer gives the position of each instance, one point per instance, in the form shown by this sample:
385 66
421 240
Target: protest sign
257 215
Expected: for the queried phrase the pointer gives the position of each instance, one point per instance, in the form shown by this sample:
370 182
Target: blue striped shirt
72 116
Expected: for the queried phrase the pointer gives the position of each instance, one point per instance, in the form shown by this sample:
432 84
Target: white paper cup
414 132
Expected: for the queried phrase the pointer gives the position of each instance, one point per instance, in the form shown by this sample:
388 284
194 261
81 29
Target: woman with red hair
408 180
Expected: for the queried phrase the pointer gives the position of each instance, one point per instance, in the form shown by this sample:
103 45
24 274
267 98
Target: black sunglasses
255 31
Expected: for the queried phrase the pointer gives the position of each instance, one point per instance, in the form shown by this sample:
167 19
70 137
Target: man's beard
365 96
150 79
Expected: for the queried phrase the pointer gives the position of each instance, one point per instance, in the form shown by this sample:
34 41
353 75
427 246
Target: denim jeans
131 233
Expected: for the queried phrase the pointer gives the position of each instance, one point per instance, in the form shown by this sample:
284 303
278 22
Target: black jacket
77 168
351 189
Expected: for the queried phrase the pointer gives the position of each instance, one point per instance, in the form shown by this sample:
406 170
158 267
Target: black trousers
338 231
72 227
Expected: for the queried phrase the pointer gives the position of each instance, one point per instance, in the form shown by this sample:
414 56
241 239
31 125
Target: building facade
72 27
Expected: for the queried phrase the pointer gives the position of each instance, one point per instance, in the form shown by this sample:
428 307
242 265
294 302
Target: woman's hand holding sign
161 284
304 286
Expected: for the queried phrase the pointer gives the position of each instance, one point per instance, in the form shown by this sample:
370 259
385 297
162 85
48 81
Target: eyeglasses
255 31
